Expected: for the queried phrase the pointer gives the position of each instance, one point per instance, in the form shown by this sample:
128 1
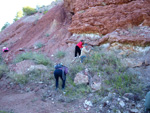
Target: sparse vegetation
36 57
60 54
18 78
113 72
18 15
35 75
45 12
39 45
5 26
1 111
76 91
28 10
47 35
3 67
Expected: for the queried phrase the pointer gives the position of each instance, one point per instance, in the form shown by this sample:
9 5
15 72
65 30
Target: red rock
28 30
104 16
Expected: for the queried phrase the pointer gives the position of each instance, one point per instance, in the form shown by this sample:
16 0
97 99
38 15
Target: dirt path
31 103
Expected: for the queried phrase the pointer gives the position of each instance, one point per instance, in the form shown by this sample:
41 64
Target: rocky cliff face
104 16
94 18
95 21
38 32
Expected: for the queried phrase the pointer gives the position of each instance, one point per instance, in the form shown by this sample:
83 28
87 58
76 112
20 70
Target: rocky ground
41 97
114 79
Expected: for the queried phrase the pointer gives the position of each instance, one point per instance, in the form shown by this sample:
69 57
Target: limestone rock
37 67
96 83
122 104
129 95
80 78
134 111
96 86
21 67
87 104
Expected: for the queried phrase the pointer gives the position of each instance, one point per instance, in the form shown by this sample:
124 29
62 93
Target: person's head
82 41
4 48
85 45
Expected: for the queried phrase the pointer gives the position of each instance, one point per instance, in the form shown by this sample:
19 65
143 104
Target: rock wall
49 31
104 16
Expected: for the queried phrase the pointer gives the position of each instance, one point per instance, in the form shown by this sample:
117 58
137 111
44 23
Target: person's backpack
65 69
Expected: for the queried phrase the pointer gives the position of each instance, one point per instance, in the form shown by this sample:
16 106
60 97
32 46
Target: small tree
5 25
28 10
18 15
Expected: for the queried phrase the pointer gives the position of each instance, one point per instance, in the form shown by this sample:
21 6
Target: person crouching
5 49
60 72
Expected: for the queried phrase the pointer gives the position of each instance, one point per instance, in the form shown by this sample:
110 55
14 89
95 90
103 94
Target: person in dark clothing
78 48
57 74
60 72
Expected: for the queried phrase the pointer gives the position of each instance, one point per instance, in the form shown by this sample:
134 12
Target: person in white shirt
84 52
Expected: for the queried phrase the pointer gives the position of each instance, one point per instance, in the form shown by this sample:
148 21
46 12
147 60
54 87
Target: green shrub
47 35
41 59
60 54
3 69
74 69
24 56
113 72
124 83
5 26
45 12
37 57
28 10
39 45
76 91
39 75
1 111
18 78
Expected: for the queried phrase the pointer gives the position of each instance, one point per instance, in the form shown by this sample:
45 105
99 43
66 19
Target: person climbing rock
147 103
60 72
84 52
78 48
5 49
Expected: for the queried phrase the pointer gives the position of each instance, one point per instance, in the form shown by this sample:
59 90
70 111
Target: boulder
96 83
87 104
37 67
21 67
81 78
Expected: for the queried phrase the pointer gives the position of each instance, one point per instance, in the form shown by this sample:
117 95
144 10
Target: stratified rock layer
49 30
104 16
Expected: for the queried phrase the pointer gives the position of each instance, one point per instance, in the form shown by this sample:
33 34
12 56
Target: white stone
134 111
122 104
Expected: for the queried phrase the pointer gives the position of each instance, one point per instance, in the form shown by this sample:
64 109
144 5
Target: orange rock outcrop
104 16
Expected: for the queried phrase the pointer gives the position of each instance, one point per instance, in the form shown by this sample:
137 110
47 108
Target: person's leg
63 81
5 50
57 80
79 51
82 58
76 48
56 75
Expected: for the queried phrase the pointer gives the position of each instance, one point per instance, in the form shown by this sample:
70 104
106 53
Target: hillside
114 78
